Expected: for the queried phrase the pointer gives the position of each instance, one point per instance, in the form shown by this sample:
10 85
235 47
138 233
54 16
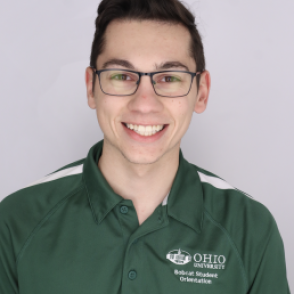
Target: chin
140 158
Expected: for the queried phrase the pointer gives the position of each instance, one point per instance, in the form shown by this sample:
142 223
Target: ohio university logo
179 257
209 261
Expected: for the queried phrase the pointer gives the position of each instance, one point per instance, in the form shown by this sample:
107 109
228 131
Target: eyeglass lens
169 83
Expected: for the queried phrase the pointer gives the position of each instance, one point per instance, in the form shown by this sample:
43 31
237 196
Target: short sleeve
271 276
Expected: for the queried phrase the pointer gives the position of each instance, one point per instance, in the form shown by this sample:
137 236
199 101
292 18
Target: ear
203 92
89 76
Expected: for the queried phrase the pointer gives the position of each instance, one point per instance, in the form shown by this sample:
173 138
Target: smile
145 130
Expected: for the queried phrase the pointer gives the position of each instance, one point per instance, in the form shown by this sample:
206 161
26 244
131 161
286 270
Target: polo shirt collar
102 198
184 202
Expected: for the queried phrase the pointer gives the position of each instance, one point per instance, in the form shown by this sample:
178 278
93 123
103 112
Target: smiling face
144 127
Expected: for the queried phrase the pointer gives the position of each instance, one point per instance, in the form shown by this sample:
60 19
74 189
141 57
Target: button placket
132 264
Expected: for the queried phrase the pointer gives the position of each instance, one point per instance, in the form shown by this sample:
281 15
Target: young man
134 216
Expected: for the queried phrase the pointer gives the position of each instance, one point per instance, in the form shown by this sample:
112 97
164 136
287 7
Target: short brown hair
170 11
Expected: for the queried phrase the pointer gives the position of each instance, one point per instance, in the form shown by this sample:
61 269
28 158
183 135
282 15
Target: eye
120 77
169 79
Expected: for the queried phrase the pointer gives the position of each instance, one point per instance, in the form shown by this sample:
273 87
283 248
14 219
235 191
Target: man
134 216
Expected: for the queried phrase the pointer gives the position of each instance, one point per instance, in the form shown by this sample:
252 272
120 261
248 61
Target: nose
145 99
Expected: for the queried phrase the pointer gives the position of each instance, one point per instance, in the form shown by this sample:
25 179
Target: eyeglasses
120 82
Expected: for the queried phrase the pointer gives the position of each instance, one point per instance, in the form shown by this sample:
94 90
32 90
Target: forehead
146 42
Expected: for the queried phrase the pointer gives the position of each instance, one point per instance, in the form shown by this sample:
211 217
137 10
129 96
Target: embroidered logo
179 256
209 261
207 267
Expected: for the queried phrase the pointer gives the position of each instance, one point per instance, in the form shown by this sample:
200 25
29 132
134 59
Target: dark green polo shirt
69 233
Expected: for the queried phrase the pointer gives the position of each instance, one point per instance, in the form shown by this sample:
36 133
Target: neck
145 184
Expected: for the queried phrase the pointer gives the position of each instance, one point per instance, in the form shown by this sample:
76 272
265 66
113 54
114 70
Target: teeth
145 130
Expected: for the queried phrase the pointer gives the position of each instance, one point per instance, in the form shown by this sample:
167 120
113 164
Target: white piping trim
216 182
220 184
60 174
164 202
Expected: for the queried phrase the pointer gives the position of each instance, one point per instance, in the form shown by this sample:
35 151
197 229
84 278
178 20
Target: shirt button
132 275
124 209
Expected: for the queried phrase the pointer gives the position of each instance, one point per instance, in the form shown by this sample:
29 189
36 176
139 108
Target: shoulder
23 210
248 224
227 204
49 189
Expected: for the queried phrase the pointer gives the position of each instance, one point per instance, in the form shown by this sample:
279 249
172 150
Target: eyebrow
171 64
127 64
115 61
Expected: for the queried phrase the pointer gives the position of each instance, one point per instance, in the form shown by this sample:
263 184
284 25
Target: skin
143 171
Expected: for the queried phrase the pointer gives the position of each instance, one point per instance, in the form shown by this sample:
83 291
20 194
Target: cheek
184 110
103 111
108 110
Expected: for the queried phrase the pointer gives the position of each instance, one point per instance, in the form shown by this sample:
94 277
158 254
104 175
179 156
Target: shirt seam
89 199
233 246
41 222
261 259
14 271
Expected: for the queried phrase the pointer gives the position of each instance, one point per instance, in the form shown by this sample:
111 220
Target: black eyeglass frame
150 74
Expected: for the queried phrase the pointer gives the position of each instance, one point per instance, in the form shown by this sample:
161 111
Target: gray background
245 136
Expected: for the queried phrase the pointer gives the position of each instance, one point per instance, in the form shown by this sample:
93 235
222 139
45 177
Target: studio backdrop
245 136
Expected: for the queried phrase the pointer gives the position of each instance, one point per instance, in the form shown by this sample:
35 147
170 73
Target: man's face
146 46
